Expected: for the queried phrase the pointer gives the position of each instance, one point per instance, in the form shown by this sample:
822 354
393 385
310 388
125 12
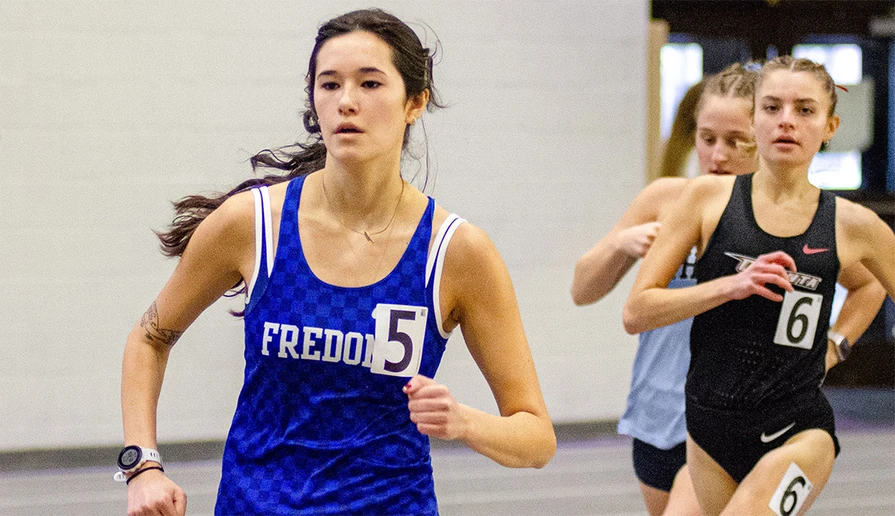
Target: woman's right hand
153 493
635 241
767 269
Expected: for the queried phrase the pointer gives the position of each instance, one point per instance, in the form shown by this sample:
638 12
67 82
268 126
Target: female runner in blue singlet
355 279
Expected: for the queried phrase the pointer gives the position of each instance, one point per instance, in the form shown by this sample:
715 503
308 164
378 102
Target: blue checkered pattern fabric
315 431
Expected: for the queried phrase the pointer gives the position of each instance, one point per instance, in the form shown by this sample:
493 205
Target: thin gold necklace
369 236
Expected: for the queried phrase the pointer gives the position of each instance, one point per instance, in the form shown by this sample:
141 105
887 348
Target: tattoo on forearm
150 325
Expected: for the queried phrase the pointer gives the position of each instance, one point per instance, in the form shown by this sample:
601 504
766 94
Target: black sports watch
843 346
130 458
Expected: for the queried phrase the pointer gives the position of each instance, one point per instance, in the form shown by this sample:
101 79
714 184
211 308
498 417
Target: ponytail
192 209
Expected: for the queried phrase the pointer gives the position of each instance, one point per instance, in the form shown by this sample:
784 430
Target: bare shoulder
470 244
438 218
709 192
473 271
238 210
853 216
278 191
665 187
658 197
652 200
230 226
237 213
862 236
709 185
470 256
858 224
219 254
467 242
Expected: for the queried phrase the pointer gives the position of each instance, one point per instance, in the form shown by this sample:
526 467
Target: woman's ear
416 106
832 126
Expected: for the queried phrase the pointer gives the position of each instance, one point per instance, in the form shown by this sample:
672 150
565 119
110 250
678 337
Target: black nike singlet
755 351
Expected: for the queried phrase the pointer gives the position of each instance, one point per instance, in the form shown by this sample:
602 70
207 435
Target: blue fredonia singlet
316 430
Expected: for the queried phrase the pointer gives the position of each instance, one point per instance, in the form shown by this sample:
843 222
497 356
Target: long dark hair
413 62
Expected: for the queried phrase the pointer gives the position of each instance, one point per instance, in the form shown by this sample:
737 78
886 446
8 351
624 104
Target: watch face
129 457
844 349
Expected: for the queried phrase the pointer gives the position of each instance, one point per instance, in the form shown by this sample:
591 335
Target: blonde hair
683 133
736 81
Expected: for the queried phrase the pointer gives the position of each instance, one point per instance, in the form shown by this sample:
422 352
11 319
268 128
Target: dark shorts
737 440
656 467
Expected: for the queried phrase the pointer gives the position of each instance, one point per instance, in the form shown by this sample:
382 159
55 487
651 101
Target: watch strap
150 454
146 455
843 347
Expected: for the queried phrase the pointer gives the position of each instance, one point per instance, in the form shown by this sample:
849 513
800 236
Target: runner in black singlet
771 246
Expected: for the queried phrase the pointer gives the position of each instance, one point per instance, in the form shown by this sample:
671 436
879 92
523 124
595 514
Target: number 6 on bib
791 493
798 319
398 343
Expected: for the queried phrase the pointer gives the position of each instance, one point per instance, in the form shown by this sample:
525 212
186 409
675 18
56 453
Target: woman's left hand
832 357
434 409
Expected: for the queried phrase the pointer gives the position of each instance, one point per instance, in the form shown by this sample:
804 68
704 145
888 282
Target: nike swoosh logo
769 438
814 250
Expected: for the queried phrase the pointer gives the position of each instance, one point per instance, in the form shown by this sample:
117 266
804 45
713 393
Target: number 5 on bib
398 343
798 319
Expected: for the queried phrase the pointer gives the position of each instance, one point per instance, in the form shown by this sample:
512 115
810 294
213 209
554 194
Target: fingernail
407 387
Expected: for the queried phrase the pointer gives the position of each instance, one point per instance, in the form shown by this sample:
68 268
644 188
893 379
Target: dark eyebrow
806 100
365 69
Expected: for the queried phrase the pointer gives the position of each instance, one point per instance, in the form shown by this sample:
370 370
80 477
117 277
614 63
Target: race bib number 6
798 319
398 342
791 493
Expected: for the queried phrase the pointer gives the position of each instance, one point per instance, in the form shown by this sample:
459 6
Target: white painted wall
111 109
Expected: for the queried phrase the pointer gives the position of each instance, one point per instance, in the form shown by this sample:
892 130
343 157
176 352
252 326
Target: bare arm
864 299
143 370
479 294
209 267
604 265
653 305
866 247
869 240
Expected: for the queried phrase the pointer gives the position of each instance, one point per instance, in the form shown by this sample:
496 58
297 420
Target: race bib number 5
798 319
398 342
